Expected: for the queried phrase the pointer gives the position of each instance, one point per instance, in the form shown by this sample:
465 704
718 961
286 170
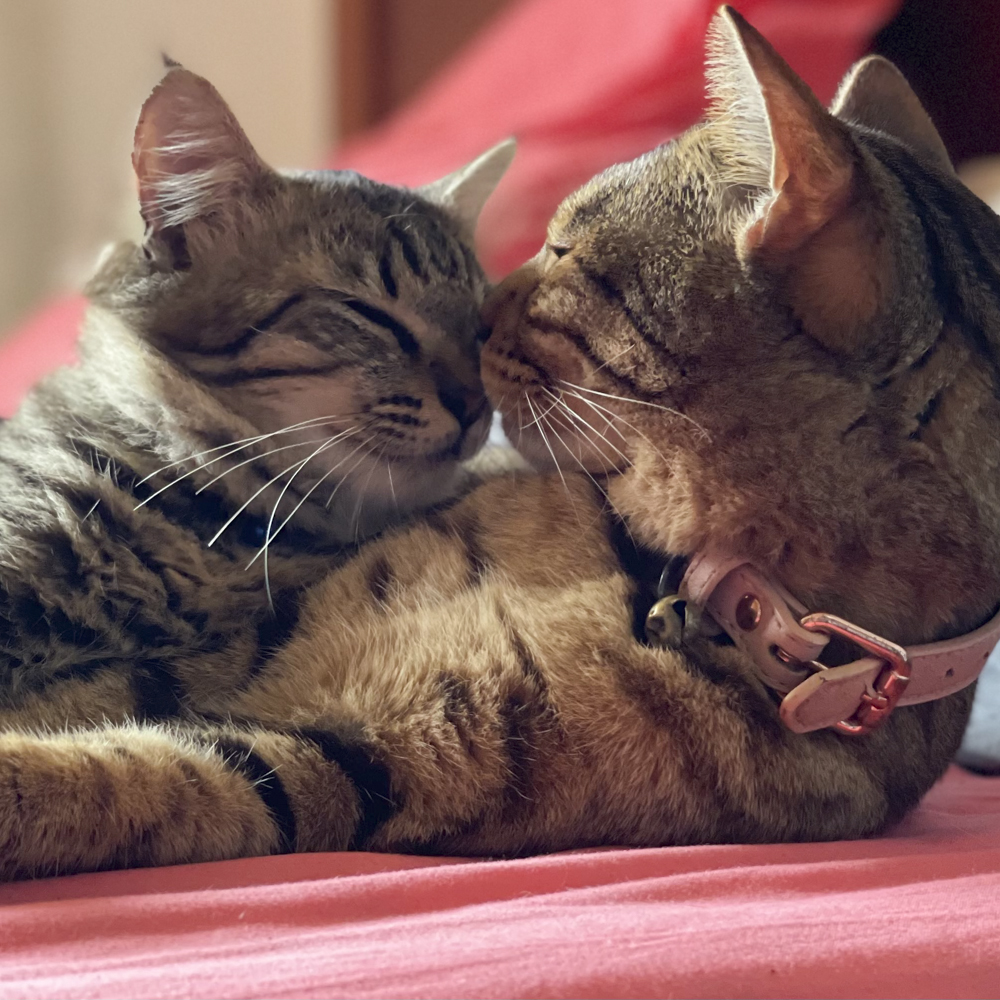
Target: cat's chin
382 491
383 494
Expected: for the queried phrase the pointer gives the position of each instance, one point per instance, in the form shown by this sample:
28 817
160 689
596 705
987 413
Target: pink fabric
42 344
911 914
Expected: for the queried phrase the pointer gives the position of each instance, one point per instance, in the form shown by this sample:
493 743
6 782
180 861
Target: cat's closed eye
559 249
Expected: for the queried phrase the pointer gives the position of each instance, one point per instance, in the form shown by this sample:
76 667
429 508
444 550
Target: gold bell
665 622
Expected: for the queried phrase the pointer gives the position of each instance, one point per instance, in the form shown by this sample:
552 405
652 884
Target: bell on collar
670 621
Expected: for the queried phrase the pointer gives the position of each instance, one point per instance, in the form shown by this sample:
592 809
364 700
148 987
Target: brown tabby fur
779 333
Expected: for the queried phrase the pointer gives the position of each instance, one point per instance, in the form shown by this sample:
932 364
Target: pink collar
784 643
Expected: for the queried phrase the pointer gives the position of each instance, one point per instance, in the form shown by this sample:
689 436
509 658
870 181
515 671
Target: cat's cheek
502 377
299 400
559 359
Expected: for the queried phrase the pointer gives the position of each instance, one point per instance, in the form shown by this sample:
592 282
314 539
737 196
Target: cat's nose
509 297
464 402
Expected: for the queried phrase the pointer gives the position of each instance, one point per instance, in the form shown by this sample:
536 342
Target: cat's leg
138 795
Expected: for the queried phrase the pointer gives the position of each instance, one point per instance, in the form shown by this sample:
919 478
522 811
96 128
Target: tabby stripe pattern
266 784
370 777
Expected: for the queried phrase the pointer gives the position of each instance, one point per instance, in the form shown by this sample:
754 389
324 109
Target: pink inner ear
812 164
189 154
812 180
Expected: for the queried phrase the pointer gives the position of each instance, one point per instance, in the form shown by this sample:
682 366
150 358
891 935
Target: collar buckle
876 704
784 642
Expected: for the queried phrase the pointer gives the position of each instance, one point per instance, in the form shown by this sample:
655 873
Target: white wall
73 74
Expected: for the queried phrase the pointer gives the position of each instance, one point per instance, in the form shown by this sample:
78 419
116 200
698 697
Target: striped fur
287 365
792 354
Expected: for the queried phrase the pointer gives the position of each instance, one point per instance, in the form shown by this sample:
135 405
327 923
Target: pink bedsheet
916 913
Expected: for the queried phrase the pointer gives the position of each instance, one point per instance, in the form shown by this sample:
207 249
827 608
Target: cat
303 343
777 335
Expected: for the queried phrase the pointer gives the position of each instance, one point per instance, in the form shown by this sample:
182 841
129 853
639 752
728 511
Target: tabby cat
778 334
304 343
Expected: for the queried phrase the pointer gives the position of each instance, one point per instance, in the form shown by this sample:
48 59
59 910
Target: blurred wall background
301 74
73 75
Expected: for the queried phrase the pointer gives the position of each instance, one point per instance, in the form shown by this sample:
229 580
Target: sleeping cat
776 336
286 365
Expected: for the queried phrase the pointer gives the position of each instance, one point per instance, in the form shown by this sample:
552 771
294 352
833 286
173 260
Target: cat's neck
887 564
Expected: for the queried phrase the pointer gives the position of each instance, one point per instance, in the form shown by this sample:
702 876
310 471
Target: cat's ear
813 225
464 192
780 133
875 94
190 155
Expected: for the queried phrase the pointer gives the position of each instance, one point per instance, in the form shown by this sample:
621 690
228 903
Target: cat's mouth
536 380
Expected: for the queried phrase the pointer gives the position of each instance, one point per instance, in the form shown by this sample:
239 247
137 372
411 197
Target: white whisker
638 402
329 443
588 474
607 498
254 458
239 446
539 416
392 488
326 475
545 441
356 516
329 499
243 507
606 413
243 442
590 427
604 364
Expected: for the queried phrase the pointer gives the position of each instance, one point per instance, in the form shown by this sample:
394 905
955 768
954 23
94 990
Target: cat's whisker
577 459
639 402
608 415
312 489
93 507
362 493
642 474
521 425
586 472
328 443
611 415
249 501
254 458
392 488
590 428
347 474
240 446
605 461
604 364
541 415
607 500
242 443
545 441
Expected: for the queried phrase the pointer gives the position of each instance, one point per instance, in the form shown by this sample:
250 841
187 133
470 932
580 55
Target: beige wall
73 74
